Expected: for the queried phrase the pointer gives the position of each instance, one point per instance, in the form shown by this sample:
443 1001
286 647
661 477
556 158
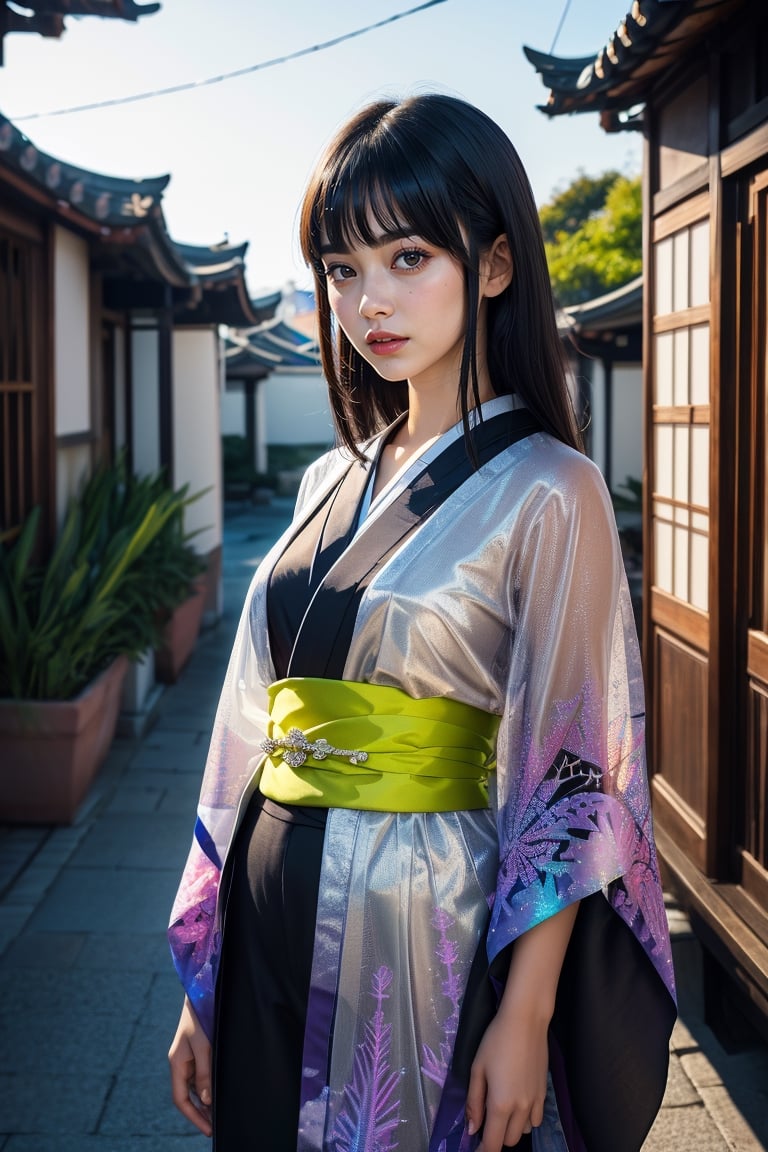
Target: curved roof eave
245 347
213 260
646 41
106 201
125 213
620 307
264 306
220 272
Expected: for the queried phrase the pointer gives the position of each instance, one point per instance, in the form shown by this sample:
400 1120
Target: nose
374 300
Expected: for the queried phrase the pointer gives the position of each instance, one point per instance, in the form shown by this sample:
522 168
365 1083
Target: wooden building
693 77
109 333
109 340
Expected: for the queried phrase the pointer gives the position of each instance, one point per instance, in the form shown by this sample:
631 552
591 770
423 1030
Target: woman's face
402 305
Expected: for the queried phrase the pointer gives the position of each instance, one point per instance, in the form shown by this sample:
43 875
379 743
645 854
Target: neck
429 415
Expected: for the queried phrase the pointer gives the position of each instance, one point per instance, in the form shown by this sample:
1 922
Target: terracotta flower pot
52 749
180 636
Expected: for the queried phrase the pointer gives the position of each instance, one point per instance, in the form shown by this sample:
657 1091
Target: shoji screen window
681 411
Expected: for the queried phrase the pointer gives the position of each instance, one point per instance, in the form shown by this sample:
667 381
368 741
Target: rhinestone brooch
295 749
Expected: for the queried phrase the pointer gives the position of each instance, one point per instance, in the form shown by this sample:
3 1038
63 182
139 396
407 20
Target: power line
560 23
192 84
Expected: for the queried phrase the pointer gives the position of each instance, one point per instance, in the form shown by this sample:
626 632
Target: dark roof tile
649 37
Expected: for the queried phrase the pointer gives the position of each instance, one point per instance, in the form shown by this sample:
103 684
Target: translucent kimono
502 588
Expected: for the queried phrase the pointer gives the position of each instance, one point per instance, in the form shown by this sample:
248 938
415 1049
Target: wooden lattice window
23 404
681 413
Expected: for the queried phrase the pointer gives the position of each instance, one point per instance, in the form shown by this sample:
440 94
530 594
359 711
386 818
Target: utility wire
190 85
560 23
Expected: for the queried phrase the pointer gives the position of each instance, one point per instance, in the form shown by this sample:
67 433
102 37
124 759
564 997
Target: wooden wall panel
680 749
756 792
682 133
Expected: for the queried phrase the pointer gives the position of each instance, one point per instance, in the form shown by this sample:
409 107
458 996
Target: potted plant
178 579
67 631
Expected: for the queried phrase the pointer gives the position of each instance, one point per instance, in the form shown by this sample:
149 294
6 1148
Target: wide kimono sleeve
230 777
574 818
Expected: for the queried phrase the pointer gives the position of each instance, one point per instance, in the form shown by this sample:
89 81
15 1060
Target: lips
383 343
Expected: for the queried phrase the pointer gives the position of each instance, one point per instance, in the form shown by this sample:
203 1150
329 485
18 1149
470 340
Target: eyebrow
380 242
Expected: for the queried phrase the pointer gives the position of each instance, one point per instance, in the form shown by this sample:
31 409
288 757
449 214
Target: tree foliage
593 236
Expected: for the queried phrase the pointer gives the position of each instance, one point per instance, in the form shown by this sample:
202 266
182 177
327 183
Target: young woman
441 926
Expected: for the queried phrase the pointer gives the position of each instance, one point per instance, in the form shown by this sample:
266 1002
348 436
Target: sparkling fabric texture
511 597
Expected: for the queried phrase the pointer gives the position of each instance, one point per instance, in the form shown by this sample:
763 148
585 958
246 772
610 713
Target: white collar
402 479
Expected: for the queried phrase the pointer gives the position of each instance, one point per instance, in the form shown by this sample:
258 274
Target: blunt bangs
384 182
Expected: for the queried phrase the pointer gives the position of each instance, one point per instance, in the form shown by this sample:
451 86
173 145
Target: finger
475 1100
203 1074
182 1073
496 1131
195 1115
517 1123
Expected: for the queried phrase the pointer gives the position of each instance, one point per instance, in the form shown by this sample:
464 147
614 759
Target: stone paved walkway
89 998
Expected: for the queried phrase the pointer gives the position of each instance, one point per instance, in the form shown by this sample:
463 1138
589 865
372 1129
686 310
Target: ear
496 268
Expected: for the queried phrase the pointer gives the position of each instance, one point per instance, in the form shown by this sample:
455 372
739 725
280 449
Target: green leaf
598 246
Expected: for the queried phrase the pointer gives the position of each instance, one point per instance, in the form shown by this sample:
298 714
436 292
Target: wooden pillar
165 391
608 445
249 387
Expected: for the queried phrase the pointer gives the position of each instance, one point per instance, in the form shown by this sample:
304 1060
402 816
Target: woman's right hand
190 1060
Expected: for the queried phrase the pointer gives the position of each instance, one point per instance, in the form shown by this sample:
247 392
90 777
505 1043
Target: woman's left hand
508 1082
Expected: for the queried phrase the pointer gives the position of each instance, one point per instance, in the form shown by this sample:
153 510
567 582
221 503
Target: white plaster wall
145 375
296 410
598 414
262 455
196 431
71 333
627 422
73 465
232 410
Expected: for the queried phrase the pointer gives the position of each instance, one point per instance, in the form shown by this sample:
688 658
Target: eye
411 258
338 272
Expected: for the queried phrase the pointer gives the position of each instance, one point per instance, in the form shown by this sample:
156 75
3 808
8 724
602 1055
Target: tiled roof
108 201
126 216
219 269
652 35
272 347
617 309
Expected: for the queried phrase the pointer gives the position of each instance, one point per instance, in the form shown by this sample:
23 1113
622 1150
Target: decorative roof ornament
637 14
138 205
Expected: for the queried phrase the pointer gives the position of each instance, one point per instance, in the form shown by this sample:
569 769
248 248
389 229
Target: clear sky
240 151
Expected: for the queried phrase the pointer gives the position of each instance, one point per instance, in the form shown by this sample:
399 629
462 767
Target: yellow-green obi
340 744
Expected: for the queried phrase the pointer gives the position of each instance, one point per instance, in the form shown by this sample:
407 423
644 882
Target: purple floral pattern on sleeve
566 804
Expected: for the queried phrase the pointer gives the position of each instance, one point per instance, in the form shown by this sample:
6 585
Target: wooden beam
734 944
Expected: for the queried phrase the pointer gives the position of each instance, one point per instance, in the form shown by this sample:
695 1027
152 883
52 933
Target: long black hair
440 167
